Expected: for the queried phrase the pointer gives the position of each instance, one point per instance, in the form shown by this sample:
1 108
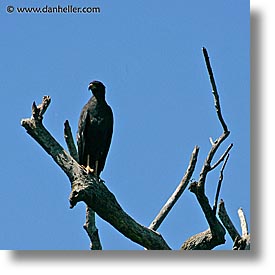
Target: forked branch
216 232
88 188
89 225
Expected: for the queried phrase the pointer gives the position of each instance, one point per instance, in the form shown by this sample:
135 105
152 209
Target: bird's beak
90 86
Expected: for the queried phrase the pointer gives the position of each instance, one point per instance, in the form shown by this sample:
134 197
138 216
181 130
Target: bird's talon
89 170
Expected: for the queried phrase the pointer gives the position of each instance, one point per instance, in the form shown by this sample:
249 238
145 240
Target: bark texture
88 188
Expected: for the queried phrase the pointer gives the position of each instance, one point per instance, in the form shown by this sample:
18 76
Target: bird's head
97 88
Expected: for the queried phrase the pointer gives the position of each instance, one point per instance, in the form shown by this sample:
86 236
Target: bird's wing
84 122
108 137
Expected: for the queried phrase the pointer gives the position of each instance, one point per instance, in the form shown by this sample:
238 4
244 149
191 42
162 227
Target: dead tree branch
243 221
244 243
38 111
201 241
240 242
177 193
214 90
222 157
92 230
89 225
69 140
227 222
215 234
88 188
219 186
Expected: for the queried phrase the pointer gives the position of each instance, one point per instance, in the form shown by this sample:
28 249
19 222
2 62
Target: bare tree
91 190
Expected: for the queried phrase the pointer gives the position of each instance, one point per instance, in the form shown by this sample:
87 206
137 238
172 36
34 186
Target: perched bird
95 130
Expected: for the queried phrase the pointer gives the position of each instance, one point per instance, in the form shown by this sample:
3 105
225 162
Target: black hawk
95 130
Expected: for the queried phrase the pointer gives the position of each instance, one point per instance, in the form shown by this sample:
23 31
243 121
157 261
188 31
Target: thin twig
222 157
177 193
214 90
219 185
211 141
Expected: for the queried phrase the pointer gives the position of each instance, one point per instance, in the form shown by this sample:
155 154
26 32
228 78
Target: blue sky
148 54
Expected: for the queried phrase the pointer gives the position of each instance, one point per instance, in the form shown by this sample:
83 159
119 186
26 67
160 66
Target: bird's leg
89 170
